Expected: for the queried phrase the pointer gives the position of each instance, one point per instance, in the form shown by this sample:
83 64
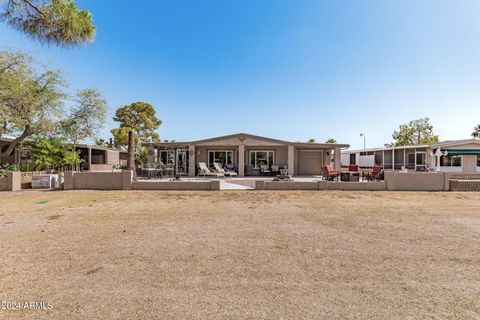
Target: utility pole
364 140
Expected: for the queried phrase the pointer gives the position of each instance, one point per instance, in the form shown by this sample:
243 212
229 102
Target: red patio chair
330 174
374 174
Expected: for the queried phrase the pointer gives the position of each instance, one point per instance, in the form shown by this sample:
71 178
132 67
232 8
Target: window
167 156
420 161
451 161
223 157
478 160
260 158
410 160
353 159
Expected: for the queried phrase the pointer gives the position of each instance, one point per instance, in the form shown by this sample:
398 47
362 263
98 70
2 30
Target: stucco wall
12 182
3 184
319 185
101 167
113 157
366 186
469 163
121 180
415 181
176 185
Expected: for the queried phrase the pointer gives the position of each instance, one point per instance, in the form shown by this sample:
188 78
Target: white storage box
47 181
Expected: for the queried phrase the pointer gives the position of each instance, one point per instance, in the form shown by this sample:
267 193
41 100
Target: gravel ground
241 255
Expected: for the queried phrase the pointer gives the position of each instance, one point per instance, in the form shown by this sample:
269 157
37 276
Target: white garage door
310 162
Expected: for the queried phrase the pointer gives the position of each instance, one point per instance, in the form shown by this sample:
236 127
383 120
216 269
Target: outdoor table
349 176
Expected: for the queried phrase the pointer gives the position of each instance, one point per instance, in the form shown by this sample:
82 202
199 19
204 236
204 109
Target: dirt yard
241 255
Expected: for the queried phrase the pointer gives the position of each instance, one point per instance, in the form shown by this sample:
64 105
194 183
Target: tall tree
57 22
415 132
476 132
104 143
138 122
31 97
86 118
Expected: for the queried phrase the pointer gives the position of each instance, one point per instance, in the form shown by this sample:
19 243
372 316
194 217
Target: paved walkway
232 186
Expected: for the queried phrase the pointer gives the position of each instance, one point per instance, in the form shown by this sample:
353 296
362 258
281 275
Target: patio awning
462 152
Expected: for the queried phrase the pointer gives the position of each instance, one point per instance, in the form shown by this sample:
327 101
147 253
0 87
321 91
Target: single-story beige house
245 153
461 156
96 158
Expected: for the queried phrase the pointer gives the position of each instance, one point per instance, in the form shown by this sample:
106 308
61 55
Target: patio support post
89 159
241 160
336 162
291 160
150 152
393 159
191 160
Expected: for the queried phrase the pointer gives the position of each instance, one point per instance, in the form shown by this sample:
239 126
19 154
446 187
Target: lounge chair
219 169
329 174
204 171
375 174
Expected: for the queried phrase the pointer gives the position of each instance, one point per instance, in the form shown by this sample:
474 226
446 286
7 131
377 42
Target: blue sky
291 70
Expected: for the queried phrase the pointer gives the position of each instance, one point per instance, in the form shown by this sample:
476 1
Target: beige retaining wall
176 185
347 185
459 176
424 181
464 185
246 183
319 185
12 182
121 180
415 181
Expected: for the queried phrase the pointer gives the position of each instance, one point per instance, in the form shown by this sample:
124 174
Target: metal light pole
364 140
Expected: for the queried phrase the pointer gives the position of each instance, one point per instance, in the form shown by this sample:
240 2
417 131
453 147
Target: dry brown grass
241 255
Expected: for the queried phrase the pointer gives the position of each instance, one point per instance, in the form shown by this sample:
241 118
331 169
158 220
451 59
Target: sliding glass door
224 157
181 165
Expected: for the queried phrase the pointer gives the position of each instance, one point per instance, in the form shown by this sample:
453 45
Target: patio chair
204 171
353 168
265 170
219 169
375 174
275 169
329 174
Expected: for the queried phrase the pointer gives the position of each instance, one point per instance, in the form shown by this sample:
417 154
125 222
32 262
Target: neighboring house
246 153
462 156
95 158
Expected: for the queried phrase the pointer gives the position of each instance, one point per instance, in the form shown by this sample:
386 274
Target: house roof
97 147
443 144
10 139
251 136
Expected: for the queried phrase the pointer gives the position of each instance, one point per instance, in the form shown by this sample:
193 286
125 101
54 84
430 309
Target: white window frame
420 165
450 166
210 165
255 151
168 157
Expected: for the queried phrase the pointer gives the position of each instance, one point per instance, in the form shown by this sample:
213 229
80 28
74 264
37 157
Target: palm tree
476 132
